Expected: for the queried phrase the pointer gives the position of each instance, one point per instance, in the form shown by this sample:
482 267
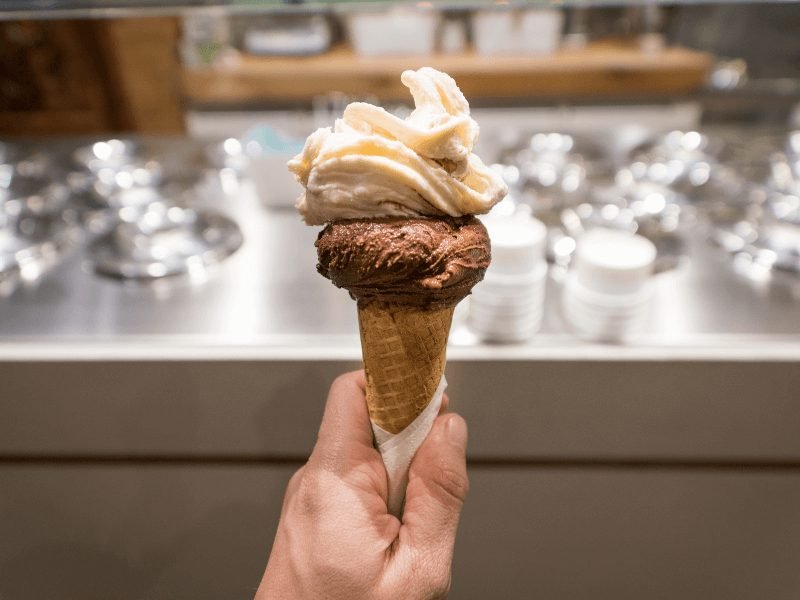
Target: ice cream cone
404 351
398 199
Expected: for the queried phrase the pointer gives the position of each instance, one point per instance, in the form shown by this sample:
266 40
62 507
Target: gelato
415 262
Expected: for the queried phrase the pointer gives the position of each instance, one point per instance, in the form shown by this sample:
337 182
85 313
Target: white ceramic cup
608 291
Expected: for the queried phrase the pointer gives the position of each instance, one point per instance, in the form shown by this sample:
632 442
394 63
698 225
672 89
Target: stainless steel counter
146 428
267 301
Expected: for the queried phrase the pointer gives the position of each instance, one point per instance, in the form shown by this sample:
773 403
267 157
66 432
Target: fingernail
457 431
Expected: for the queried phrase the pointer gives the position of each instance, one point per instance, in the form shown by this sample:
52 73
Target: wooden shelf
600 70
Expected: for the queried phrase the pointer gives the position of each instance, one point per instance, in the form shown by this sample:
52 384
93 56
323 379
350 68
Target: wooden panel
520 410
601 70
143 64
161 532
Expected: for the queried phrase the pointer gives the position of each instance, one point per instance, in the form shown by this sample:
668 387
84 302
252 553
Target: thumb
437 488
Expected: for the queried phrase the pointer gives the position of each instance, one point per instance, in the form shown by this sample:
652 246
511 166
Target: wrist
276 583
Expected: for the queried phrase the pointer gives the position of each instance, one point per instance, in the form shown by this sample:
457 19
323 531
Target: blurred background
629 368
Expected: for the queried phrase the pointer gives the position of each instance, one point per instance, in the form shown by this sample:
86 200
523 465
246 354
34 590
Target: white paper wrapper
398 449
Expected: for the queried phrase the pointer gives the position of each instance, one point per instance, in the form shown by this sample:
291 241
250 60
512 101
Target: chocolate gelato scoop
420 262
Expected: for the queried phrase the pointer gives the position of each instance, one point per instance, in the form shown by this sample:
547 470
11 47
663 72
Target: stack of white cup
608 290
507 305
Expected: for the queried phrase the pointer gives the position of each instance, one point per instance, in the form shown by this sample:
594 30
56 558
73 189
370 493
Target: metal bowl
686 161
552 170
575 221
30 246
109 186
106 154
33 186
784 172
783 207
162 240
683 146
759 239
26 196
773 247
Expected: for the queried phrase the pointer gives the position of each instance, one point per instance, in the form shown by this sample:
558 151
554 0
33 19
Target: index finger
345 427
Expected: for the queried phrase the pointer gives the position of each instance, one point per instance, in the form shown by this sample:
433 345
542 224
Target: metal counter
268 302
147 427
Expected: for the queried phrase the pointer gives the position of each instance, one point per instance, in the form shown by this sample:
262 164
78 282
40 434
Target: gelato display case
166 343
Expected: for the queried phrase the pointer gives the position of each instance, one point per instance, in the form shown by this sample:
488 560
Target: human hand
336 540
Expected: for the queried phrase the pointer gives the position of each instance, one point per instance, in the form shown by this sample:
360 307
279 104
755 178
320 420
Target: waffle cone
404 356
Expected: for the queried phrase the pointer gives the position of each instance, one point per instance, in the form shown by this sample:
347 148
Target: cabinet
588 479
136 466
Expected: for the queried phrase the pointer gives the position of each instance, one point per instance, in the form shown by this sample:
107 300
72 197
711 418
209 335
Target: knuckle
453 483
297 477
308 500
294 482
342 381
339 380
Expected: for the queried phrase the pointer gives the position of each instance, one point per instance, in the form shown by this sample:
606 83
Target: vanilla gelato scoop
373 164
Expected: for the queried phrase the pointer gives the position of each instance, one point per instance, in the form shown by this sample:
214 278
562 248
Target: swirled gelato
374 164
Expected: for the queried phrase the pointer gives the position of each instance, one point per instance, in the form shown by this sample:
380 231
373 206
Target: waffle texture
404 350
